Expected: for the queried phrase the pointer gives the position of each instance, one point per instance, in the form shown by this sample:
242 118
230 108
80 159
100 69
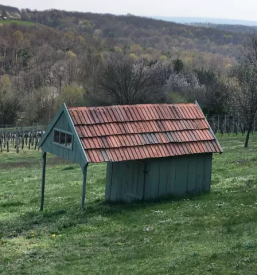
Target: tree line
41 67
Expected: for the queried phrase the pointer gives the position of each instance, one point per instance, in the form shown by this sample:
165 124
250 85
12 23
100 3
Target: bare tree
245 85
125 82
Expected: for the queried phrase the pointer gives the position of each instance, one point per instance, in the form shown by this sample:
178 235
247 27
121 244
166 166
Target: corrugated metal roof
130 132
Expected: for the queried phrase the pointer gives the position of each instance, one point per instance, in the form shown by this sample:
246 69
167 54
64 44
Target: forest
101 59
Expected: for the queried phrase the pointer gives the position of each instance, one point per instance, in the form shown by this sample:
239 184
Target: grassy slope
208 234
19 22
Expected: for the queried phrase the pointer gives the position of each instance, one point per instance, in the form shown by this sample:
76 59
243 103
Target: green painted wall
153 178
73 154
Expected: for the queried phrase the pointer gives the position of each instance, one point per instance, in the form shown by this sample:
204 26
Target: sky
226 9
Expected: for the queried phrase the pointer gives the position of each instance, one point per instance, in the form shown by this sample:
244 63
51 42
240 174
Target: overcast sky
231 9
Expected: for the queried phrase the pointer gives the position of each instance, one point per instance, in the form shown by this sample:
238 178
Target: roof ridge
134 105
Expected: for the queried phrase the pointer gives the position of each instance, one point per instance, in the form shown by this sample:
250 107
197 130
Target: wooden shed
151 150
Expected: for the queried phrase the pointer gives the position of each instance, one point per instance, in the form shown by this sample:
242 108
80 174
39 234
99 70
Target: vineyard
20 138
28 137
229 124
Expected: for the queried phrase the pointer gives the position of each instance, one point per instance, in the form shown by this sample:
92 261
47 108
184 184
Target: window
68 140
63 138
56 136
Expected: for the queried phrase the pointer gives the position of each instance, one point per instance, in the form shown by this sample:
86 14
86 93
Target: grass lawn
19 22
212 233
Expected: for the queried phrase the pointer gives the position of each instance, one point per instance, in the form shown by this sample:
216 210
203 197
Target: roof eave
70 121
212 133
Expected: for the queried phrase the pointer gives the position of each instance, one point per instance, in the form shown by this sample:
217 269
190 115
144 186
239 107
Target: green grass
19 22
212 233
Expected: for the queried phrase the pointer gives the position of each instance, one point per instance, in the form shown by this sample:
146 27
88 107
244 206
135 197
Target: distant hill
147 32
200 44
9 12
227 27
65 57
189 20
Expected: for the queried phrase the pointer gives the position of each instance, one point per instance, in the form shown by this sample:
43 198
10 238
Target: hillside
213 41
147 32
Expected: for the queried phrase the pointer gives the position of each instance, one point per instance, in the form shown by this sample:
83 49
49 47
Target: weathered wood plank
171 176
199 172
119 181
163 176
135 168
155 178
207 172
108 181
191 179
130 176
115 179
140 180
147 183
181 175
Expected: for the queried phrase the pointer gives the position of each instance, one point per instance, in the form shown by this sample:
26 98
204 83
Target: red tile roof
119 133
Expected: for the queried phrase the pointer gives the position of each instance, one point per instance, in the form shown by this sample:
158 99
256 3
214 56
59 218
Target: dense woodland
95 59
167 38
227 27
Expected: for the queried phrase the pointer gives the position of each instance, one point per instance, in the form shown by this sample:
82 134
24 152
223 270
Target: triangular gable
51 125
77 153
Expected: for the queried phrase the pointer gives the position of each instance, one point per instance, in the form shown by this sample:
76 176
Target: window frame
66 133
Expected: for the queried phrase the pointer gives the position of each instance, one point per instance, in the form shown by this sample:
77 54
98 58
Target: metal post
43 182
84 171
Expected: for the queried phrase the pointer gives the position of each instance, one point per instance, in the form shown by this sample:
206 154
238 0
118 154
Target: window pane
68 140
62 138
56 136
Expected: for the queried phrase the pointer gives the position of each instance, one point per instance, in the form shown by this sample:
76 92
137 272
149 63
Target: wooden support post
84 171
43 182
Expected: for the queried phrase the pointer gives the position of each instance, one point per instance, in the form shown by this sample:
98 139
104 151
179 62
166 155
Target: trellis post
225 124
218 122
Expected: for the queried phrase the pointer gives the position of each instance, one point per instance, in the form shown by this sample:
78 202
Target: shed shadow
109 208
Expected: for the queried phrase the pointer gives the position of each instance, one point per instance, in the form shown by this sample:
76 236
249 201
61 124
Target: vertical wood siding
153 178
